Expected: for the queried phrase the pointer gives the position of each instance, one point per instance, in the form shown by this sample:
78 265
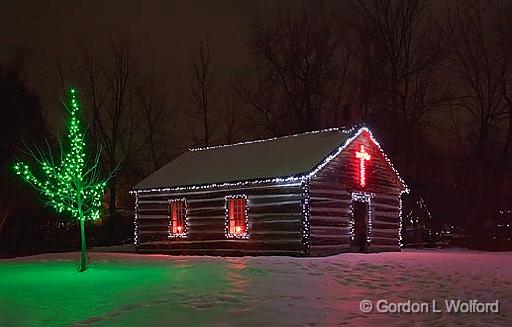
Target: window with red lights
178 213
237 216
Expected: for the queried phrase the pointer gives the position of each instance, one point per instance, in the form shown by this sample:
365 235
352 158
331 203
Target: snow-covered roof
281 157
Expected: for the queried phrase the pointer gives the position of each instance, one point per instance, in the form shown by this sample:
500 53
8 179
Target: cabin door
360 210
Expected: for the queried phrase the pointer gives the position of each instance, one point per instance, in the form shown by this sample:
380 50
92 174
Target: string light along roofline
299 178
347 143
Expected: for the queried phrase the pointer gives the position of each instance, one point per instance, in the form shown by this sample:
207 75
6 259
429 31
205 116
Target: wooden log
337 205
329 230
144 216
150 202
276 235
219 212
158 228
252 197
328 222
342 240
154 211
194 227
261 202
147 232
278 225
294 207
329 211
148 249
207 219
239 244
254 189
329 236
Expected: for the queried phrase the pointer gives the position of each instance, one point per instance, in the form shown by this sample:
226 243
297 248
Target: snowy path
137 290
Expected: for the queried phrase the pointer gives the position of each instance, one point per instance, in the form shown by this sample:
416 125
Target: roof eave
278 179
319 166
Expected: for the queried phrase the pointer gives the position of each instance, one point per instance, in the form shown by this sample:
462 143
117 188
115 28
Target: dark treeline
431 79
22 121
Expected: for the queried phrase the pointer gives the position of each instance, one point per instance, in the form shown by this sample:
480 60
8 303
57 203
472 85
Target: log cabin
311 194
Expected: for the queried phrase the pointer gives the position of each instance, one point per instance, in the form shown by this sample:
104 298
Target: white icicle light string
185 232
362 197
136 218
305 214
400 243
226 223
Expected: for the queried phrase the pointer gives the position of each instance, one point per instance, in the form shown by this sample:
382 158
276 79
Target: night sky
165 32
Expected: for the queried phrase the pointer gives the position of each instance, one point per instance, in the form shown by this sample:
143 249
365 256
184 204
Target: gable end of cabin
359 176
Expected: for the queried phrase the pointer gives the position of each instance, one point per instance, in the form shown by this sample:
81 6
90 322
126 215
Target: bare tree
232 119
479 42
300 71
110 85
203 90
258 95
397 73
4 214
155 113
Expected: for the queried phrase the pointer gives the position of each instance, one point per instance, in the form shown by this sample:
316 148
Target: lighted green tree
70 182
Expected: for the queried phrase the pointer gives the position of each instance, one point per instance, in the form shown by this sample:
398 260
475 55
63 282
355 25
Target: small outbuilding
316 193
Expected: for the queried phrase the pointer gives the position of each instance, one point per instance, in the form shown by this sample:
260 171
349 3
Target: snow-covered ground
123 289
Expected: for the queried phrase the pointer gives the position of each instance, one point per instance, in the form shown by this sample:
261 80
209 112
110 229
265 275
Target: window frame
228 220
185 218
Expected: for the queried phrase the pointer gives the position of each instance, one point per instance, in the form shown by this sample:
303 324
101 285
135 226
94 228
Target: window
236 216
178 213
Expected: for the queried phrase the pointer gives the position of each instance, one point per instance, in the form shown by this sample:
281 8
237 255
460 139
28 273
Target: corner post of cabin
305 216
400 217
135 221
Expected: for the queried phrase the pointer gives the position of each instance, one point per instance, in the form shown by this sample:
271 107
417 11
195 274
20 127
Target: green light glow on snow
110 293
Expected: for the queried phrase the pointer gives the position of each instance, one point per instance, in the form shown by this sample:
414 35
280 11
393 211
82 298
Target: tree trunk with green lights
83 248
73 184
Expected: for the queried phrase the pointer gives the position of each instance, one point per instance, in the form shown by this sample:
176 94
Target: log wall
275 222
330 192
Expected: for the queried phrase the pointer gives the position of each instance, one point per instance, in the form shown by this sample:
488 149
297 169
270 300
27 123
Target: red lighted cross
362 155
